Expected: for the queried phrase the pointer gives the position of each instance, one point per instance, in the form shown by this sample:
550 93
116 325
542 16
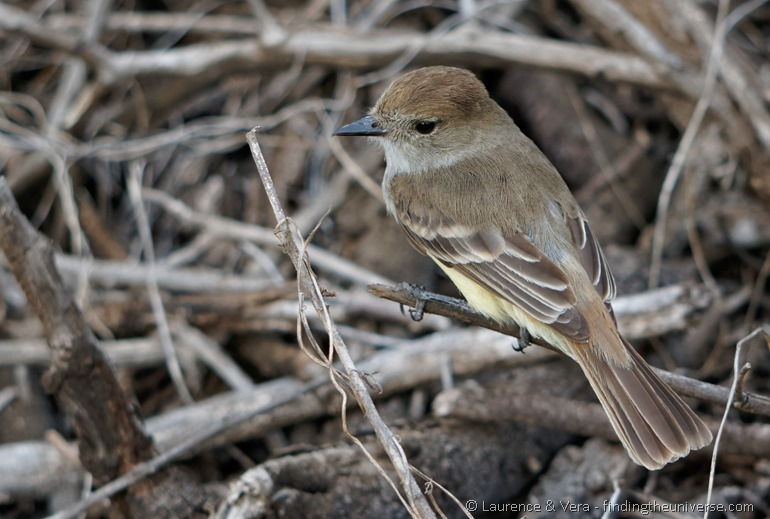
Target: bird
480 199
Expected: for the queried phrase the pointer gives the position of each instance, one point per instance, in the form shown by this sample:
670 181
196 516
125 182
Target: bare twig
371 49
225 227
151 466
152 22
640 37
210 352
158 309
735 73
134 273
606 167
646 314
685 144
509 403
757 291
271 33
459 310
408 364
294 246
7 396
738 368
74 74
111 436
17 21
125 352
352 168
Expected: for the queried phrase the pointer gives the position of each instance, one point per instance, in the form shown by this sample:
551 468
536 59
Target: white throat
403 159
407 160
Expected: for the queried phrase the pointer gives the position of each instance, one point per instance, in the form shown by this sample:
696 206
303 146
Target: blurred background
122 138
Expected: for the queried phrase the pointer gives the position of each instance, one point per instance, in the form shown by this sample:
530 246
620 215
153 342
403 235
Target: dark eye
425 127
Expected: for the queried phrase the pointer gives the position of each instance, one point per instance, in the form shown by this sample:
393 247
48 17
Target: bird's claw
523 342
418 312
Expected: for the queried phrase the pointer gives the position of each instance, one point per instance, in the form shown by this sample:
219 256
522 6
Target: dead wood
121 138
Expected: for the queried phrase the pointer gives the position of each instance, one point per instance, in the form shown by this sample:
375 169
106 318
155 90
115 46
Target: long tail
655 426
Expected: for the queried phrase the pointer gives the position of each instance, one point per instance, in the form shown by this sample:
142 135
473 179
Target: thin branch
151 466
228 228
133 273
511 404
294 247
738 369
214 356
134 182
685 144
459 310
110 434
333 47
159 23
641 315
636 33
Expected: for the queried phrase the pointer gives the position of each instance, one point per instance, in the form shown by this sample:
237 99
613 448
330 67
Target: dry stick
159 23
696 245
271 33
462 20
413 363
228 228
183 280
733 72
617 493
738 368
572 416
214 356
73 76
295 248
204 133
7 396
757 292
333 47
124 352
44 141
16 20
74 73
459 310
149 467
607 167
351 167
614 15
110 434
685 144
156 301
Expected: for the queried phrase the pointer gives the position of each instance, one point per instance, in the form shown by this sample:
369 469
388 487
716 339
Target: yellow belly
502 311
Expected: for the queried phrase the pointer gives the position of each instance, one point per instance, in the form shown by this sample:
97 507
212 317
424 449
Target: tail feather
654 425
637 439
648 400
693 427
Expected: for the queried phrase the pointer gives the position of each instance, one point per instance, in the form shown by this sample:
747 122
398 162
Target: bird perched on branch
478 197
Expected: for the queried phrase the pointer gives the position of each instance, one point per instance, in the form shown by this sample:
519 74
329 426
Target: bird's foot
420 299
523 342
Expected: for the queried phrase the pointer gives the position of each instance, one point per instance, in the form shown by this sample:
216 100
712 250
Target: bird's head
428 118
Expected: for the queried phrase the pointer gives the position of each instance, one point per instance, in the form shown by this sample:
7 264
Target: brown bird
478 197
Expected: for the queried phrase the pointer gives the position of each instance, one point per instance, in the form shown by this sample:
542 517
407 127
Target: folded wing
506 264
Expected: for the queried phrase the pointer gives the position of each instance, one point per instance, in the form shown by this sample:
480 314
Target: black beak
367 126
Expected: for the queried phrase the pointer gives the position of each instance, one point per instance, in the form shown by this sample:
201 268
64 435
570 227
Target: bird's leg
523 342
420 299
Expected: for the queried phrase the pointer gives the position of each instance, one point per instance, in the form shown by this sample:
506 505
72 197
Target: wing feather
506 264
592 257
